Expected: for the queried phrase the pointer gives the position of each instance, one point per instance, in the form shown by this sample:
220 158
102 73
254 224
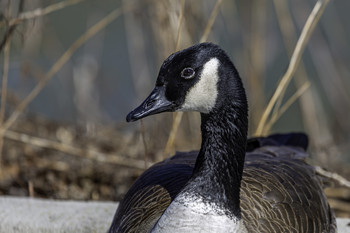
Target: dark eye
187 73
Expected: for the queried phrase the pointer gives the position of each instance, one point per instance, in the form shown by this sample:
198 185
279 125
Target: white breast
188 214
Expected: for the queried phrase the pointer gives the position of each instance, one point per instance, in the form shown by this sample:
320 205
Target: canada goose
202 191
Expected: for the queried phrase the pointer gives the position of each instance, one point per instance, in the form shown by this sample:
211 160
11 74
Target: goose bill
155 103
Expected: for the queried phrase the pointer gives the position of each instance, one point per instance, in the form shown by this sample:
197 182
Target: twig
177 45
31 188
339 205
211 21
4 80
178 115
337 192
4 90
284 108
175 126
295 59
144 142
88 153
288 35
310 117
257 51
334 176
41 12
63 59
7 44
11 28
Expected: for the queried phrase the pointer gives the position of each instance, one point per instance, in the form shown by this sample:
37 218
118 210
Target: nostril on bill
149 104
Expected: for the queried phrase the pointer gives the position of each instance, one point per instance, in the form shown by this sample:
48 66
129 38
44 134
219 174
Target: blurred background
71 70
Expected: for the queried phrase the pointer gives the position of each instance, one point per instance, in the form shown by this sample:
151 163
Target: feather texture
279 191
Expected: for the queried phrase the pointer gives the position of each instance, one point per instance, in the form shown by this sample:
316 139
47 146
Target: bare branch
4 90
175 126
144 142
4 80
11 28
41 12
276 115
211 21
84 153
178 115
63 59
334 176
180 23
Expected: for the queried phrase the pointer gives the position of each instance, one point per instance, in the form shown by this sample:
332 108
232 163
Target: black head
200 78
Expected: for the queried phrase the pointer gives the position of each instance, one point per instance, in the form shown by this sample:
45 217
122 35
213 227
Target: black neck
219 166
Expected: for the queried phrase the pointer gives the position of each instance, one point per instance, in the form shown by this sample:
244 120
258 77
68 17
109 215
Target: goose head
200 78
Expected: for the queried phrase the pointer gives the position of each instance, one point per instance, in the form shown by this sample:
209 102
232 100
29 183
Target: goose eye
187 73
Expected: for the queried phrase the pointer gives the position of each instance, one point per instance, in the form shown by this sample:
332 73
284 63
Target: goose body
208 190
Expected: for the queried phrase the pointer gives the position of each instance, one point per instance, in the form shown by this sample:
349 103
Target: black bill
155 103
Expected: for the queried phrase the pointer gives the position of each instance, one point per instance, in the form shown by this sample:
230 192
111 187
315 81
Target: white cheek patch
202 96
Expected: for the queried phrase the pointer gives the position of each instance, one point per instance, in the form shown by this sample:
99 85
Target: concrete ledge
343 225
29 215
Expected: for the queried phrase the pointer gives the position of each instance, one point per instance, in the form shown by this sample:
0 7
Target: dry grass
39 12
169 148
289 35
76 151
4 92
177 116
277 114
62 60
294 62
103 23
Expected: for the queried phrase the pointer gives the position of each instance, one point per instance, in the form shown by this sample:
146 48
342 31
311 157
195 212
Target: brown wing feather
145 209
152 193
281 193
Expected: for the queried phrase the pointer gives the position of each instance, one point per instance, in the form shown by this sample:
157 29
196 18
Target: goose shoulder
152 193
282 193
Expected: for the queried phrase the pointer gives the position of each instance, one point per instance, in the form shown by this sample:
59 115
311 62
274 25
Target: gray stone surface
343 225
38 215
28 215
